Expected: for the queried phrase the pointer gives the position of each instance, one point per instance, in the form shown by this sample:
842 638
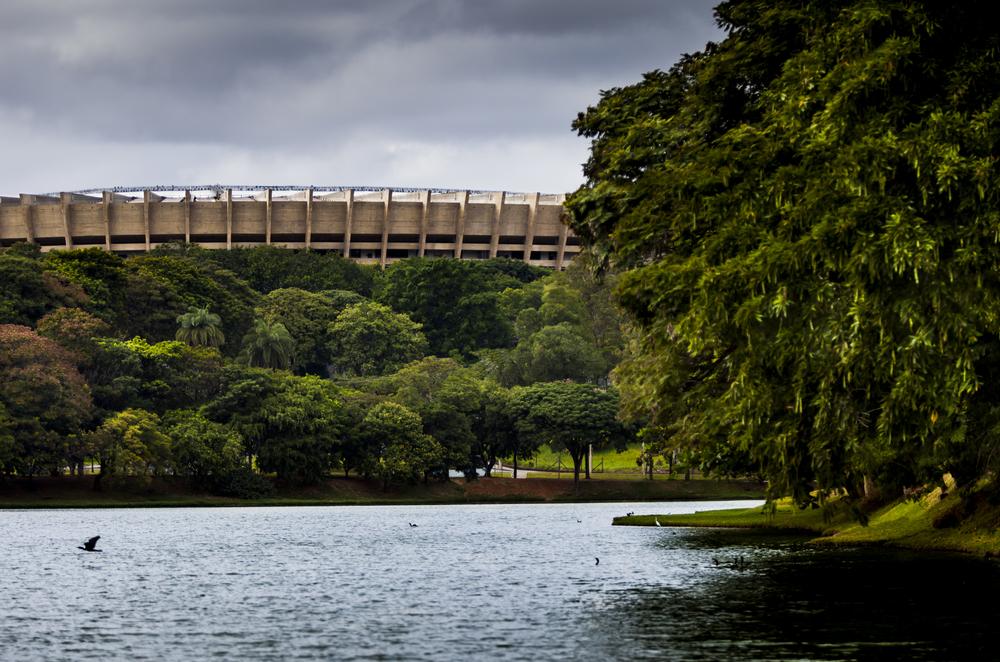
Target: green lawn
612 460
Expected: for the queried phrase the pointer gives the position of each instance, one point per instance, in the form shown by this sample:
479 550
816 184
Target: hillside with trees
237 370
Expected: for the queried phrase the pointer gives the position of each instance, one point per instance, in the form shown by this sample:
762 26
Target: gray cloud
479 93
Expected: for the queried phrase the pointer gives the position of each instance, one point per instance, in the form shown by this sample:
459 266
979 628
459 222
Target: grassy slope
68 492
930 523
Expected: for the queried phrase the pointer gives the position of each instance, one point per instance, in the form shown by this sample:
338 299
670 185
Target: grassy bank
69 492
933 522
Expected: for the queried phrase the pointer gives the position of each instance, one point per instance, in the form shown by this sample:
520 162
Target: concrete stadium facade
368 225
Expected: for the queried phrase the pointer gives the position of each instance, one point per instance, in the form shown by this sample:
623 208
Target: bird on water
90 545
412 524
598 561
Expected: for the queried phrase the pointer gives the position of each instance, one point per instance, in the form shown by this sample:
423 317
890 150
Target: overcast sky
426 93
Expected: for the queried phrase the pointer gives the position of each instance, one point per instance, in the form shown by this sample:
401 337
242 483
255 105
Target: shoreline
934 522
77 493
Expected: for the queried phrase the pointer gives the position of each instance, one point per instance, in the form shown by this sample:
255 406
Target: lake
490 581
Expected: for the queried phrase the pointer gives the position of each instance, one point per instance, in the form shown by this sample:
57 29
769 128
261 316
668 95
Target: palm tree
200 327
268 345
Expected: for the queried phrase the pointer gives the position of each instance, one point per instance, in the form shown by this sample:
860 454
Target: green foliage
449 400
456 301
187 283
565 328
306 316
369 339
200 448
43 397
399 450
75 330
268 345
200 327
97 272
568 416
269 268
27 292
808 214
131 443
292 424
157 377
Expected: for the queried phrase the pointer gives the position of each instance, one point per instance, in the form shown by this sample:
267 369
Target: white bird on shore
657 522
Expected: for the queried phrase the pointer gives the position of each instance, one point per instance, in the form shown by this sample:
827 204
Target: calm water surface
497 582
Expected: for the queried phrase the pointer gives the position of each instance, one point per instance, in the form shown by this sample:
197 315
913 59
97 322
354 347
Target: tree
75 330
200 448
568 416
496 430
200 327
807 215
448 399
269 268
268 346
131 443
369 339
45 397
27 292
158 377
293 425
194 284
456 301
97 272
399 450
307 316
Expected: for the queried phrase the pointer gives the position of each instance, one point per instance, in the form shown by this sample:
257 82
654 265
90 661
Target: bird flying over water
598 561
90 545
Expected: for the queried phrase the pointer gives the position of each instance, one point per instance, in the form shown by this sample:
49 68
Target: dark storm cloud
271 82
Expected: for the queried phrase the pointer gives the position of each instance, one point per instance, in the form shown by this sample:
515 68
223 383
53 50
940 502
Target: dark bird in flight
598 561
412 524
90 545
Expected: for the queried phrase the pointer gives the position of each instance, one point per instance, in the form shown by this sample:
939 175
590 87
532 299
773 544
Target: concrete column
495 235
267 217
64 201
229 219
426 200
563 231
186 204
349 198
309 218
529 234
106 200
387 196
146 196
460 226
27 204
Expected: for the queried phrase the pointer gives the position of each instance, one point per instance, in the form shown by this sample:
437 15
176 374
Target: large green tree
369 339
291 425
568 416
807 212
456 301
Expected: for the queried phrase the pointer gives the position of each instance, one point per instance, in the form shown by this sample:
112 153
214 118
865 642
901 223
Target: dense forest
804 217
227 367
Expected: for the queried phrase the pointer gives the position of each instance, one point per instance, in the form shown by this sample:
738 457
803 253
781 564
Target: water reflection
504 582
792 601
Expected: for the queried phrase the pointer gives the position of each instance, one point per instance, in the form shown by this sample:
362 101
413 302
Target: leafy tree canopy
369 339
807 212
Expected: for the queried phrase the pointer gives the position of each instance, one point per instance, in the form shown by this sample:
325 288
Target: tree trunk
587 455
577 461
515 464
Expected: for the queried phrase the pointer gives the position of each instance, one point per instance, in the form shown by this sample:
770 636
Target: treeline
226 366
